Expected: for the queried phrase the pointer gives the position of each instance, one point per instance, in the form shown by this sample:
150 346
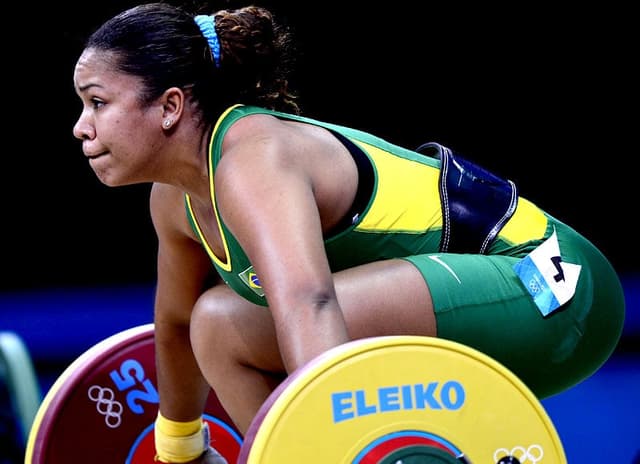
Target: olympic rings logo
107 405
534 286
532 454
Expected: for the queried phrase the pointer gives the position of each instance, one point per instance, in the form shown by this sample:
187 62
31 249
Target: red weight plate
103 407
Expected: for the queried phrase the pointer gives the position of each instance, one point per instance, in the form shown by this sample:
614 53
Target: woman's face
119 135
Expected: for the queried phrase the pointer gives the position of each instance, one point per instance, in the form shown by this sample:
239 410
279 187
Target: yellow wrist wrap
178 442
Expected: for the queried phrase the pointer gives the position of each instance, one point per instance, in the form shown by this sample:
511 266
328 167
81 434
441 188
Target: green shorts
479 301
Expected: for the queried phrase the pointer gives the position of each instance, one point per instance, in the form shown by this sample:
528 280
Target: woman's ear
172 101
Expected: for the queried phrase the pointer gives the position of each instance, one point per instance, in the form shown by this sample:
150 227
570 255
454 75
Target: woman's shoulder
263 130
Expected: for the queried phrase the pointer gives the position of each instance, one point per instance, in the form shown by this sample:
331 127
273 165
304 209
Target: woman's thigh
380 298
385 298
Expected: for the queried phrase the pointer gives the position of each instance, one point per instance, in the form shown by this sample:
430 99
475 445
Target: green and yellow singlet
402 217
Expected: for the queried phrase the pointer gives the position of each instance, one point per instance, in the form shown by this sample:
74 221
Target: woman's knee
213 304
228 330
211 318
224 320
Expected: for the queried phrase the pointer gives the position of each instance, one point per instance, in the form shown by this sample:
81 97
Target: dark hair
163 45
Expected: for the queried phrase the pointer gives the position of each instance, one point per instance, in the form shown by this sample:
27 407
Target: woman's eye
96 103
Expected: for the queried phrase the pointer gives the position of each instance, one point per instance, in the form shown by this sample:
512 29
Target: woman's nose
82 130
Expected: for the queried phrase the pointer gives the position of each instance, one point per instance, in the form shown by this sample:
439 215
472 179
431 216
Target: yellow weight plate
363 395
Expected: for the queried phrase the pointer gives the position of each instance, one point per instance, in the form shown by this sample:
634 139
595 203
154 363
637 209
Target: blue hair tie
207 25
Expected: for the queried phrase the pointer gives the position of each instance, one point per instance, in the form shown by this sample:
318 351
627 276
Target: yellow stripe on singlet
527 223
407 197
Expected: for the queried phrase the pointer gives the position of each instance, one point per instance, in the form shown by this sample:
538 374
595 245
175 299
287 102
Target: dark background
539 95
